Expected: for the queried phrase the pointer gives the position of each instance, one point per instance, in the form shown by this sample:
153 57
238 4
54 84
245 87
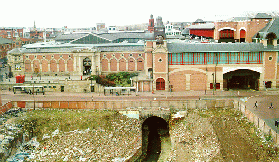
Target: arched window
45 66
113 65
140 64
122 64
53 66
131 64
28 66
104 65
270 37
160 84
61 66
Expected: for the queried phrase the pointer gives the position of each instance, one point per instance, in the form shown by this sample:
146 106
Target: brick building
5 46
162 65
237 29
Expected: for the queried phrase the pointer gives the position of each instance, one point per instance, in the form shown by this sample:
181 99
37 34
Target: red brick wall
270 65
198 81
70 65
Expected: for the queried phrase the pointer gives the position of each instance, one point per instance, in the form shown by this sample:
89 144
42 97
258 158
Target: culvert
155 139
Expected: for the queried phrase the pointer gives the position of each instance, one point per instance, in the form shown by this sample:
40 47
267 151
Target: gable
91 39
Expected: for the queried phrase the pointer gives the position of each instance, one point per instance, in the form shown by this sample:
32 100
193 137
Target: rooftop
179 47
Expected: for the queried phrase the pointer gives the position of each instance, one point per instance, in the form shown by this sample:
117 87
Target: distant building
169 30
151 24
5 46
237 29
100 26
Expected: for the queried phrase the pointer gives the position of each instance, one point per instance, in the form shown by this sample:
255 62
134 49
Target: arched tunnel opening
155 138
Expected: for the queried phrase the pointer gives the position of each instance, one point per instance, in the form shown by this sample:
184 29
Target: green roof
5 41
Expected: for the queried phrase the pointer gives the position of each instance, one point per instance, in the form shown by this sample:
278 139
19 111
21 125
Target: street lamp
213 83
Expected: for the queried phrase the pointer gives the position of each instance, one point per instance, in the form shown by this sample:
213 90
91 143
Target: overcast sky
86 13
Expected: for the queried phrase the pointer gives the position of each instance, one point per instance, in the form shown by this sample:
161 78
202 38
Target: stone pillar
275 43
261 84
117 64
264 42
93 64
58 66
188 77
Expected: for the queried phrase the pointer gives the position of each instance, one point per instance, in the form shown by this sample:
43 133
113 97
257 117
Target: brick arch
122 64
113 64
45 65
28 66
61 65
140 64
70 65
53 65
104 64
36 66
131 64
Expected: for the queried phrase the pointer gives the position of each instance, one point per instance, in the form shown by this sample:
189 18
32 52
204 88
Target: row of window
52 56
193 58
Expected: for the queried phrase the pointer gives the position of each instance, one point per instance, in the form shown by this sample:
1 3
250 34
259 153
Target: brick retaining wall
6 107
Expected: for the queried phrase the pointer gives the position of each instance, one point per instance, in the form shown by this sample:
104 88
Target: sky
86 13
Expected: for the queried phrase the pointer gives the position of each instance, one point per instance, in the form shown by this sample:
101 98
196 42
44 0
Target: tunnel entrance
155 131
241 79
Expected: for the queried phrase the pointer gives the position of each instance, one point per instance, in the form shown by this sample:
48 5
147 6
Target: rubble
10 134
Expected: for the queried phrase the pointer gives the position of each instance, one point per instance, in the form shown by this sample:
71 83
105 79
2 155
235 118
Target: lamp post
213 83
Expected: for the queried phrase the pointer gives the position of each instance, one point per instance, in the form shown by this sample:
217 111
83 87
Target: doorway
241 79
87 66
62 88
160 84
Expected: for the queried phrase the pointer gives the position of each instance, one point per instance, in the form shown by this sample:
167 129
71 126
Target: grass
40 122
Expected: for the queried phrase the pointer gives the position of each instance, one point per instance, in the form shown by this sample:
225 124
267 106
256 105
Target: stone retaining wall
122 105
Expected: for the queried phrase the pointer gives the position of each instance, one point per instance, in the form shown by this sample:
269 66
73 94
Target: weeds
40 122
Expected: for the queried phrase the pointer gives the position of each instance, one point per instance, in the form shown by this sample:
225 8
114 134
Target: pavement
264 99
158 95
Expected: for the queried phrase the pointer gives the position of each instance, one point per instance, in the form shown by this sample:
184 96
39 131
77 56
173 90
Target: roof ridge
271 23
